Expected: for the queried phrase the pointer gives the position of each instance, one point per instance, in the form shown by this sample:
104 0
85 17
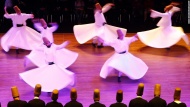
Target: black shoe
168 49
17 51
119 79
99 46
94 45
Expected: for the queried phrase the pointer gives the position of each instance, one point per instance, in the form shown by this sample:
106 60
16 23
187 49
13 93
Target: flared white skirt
162 37
86 32
50 77
127 64
21 37
63 57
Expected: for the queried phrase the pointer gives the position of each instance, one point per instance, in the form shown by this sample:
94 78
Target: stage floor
170 68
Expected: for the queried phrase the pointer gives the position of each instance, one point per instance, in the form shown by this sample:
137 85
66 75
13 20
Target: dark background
133 15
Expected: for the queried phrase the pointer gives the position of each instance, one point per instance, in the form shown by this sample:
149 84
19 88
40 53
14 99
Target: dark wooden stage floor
169 68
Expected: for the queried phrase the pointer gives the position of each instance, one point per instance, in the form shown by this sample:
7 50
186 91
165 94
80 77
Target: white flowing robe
54 76
86 32
125 63
165 35
21 37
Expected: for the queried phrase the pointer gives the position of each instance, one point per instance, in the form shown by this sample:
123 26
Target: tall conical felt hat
96 95
45 40
15 92
98 6
17 10
177 93
140 89
120 33
168 7
55 94
37 90
119 96
157 90
43 22
73 94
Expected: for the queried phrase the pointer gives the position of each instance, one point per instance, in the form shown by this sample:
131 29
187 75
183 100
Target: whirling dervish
20 35
165 35
52 61
123 61
99 31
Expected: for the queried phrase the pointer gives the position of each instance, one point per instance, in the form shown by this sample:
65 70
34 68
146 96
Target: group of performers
52 60
38 102
138 101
